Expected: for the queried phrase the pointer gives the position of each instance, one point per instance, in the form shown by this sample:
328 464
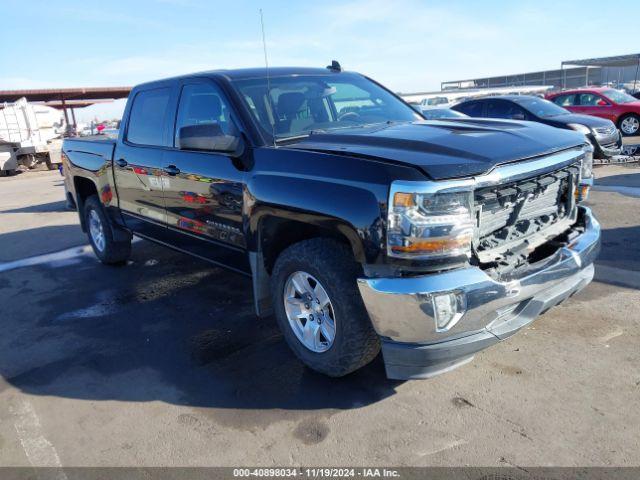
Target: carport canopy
66 98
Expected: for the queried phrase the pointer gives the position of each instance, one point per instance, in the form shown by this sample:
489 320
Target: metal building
621 71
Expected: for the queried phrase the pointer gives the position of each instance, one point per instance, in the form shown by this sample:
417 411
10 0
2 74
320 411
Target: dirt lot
162 362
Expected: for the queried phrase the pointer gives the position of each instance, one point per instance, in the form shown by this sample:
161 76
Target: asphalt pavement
162 363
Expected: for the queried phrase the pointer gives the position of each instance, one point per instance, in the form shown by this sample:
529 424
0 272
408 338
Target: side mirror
601 103
518 116
207 137
416 108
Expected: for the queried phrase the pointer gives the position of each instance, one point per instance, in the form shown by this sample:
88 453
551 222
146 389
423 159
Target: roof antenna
335 66
266 64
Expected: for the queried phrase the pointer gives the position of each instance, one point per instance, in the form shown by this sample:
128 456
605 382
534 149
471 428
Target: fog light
448 308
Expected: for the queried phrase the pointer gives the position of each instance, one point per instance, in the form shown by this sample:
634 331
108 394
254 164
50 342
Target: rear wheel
51 166
109 251
630 125
319 309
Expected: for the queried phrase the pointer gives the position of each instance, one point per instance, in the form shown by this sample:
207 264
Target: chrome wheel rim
630 125
96 231
309 312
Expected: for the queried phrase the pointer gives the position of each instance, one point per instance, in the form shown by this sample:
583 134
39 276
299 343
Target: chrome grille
606 130
508 216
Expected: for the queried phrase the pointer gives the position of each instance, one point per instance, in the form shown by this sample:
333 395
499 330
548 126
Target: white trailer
8 158
36 129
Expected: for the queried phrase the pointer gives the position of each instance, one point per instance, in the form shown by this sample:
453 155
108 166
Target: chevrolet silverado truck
363 226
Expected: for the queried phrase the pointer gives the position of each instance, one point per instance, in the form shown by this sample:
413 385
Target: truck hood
446 149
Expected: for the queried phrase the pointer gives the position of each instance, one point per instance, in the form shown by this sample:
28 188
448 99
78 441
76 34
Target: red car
619 107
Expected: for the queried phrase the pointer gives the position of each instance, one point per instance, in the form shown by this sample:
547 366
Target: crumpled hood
447 149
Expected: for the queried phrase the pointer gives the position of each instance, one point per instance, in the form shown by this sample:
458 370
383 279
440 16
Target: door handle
171 170
121 162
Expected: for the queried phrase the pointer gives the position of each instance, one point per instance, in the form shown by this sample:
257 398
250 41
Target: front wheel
630 125
319 309
109 251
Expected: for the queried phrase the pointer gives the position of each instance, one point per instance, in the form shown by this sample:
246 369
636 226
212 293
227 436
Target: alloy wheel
96 230
630 125
309 311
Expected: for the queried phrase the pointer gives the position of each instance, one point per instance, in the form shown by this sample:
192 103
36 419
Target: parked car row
602 133
619 107
604 115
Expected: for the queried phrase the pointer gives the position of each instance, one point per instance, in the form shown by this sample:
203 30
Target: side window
589 99
502 109
148 113
473 109
565 100
204 111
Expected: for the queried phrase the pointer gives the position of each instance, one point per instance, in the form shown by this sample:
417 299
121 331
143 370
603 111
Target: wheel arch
275 233
84 188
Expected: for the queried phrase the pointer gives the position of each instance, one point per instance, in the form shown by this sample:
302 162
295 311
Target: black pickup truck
362 226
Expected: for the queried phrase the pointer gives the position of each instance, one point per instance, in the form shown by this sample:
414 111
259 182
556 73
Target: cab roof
248 73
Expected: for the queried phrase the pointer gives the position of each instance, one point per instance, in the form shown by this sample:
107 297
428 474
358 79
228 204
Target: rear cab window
146 123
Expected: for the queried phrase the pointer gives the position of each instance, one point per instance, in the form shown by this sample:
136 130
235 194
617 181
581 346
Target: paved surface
162 362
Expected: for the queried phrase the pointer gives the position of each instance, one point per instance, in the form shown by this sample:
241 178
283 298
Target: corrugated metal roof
58 94
617 61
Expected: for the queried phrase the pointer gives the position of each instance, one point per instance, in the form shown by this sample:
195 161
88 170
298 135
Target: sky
407 45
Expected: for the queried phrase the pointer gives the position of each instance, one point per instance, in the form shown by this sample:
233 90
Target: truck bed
89 153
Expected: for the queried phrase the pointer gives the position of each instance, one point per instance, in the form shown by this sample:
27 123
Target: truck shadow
631 179
59 206
165 327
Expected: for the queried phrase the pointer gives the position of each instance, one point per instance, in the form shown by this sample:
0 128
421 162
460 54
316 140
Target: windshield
617 96
540 107
305 103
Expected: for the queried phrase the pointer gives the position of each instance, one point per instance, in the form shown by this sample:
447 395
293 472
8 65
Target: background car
441 113
602 133
619 107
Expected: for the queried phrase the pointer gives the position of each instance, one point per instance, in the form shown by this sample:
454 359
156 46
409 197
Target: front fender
350 210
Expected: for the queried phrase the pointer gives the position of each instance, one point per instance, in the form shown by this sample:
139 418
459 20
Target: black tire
625 117
51 166
332 264
113 253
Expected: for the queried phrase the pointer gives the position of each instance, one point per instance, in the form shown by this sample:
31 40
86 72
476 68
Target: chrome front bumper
402 313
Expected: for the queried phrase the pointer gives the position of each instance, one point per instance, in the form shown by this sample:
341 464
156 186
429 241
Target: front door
138 162
203 187
593 104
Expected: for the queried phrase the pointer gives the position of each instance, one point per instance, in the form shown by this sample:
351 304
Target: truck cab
362 226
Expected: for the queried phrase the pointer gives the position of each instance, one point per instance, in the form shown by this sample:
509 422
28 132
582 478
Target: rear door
566 100
204 192
505 109
474 108
138 161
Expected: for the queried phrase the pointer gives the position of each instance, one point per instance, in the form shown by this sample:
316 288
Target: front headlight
586 175
426 221
586 171
580 128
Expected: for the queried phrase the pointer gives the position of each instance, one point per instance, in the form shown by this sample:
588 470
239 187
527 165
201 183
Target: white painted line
611 335
56 259
39 451
63 257
447 446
